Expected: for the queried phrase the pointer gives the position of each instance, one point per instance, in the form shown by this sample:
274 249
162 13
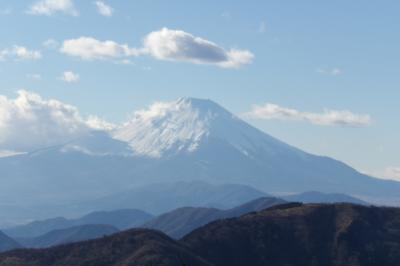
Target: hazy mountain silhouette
68 235
179 222
161 197
7 243
121 219
319 197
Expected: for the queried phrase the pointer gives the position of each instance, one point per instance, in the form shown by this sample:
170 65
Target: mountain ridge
289 234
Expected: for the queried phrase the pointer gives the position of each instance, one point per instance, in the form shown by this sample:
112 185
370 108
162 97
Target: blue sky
307 57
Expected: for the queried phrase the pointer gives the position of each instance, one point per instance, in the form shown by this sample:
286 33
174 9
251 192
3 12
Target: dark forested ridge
133 247
303 235
290 234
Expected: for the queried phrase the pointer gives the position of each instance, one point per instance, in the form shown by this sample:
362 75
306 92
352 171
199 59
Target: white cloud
165 44
30 122
88 48
50 7
104 9
392 173
332 71
69 76
34 76
177 45
95 122
51 44
20 53
327 118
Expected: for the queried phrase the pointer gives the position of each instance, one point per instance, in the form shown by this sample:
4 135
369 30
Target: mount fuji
184 140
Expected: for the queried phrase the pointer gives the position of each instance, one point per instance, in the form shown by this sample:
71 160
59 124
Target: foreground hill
179 222
120 219
303 235
7 243
134 247
68 235
292 234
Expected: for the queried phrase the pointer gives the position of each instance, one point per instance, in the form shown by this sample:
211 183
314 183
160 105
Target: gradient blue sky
308 55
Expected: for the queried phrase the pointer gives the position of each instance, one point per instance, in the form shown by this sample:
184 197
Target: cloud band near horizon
328 117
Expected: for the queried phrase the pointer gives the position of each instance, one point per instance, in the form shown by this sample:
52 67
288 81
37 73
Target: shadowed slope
303 235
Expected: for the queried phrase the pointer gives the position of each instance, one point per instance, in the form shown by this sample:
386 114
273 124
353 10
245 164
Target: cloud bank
271 111
165 44
29 122
50 7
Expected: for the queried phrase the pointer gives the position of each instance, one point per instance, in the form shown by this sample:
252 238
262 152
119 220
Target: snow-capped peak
168 128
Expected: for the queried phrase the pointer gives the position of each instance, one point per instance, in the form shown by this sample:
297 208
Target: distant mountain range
161 197
318 197
155 198
120 219
289 234
7 243
184 140
180 222
176 223
68 235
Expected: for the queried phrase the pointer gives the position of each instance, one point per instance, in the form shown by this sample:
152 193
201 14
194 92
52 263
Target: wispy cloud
69 76
328 117
262 27
20 53
51 44
165 44
50 7
34 76
330 71
104 9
